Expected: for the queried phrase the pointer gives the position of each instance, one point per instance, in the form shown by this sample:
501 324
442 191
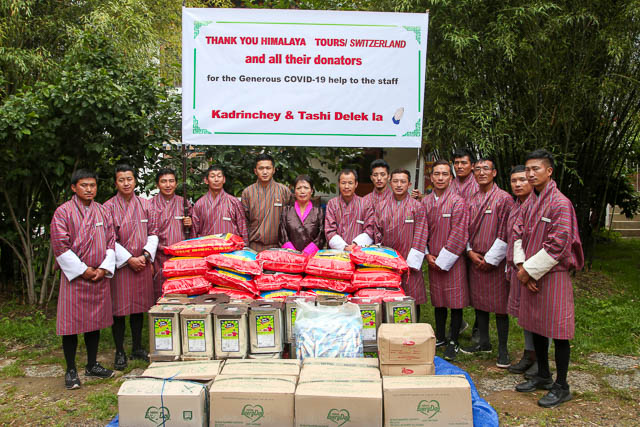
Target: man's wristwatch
147 256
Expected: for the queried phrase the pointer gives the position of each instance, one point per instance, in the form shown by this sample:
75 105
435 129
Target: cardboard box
340 369
399 370
259 367
419 401
406 343
338 402
200 370
239 400
149 402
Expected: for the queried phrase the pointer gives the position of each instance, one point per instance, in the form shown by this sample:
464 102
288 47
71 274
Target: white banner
298 77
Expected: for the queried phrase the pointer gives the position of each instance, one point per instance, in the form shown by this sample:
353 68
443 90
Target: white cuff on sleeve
414 259
539 264
109 263
496 252
363 239
469 248
122 256
71 265
151 246
518 253
446 259
337 242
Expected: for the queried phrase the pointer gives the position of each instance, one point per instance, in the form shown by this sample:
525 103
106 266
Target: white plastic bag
328 331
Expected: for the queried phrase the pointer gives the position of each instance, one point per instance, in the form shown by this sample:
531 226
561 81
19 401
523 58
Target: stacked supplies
234 270
281 270
406 349
377 267
329 269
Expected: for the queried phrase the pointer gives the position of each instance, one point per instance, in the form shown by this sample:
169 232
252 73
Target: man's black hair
264 156
124 168
400 170
165 171
517 169
82 174
486 159
348 171
442 162
214 168
379 163
541 154
464 152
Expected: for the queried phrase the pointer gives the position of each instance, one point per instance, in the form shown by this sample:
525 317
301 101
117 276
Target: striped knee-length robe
345 223
515 287
488 214
403 227
263 208
465 189
448 222
548 232
135 228
168 216
83 237
222 214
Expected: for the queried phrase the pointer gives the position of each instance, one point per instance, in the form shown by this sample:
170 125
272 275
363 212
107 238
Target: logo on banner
397 116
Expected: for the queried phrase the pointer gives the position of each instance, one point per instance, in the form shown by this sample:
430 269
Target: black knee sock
502 324
417 313
441 322
541 345
69 347
456 322
118 332
483 327
563 353
135 321
91 340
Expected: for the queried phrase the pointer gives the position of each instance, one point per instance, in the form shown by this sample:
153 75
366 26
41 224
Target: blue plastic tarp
483 414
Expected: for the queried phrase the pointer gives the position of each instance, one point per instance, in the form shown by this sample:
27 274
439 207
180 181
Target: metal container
197 332
211 299
266 327
290 315
331 299
230 331
173 299
399 310
164 332
371 311
371 352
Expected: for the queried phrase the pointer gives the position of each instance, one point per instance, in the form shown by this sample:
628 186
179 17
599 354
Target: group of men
481 249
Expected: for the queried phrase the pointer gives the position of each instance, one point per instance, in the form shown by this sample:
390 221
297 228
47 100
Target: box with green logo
339 401
417 401
153 402
246 400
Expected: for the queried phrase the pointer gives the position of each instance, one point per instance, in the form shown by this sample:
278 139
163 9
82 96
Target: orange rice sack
379 293
243 260
378 256
338 285
283 260
231 293
330 263
231 279
184 266
276 280
369 277
206 245
186 285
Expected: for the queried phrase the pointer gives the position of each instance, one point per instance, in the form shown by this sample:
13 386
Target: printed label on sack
230 335
265 331
195 335
368 324
402 314
163 332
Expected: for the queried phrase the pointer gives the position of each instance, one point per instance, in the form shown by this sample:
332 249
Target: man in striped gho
83 242
349 219
547 248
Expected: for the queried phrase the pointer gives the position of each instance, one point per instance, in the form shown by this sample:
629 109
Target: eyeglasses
482 169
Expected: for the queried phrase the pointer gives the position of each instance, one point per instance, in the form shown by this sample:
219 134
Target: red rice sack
280 294
283 260
379 293
231 293
330 263
338 285
243 260
370 277
231 279
186 285
206 245
276 280
184 266
378 256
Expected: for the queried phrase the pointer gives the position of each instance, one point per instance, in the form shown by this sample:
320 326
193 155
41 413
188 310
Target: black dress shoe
524 364
71 380
140 354
535 383
556 396
120 362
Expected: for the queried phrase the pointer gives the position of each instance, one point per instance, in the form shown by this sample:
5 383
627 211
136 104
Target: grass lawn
607 321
